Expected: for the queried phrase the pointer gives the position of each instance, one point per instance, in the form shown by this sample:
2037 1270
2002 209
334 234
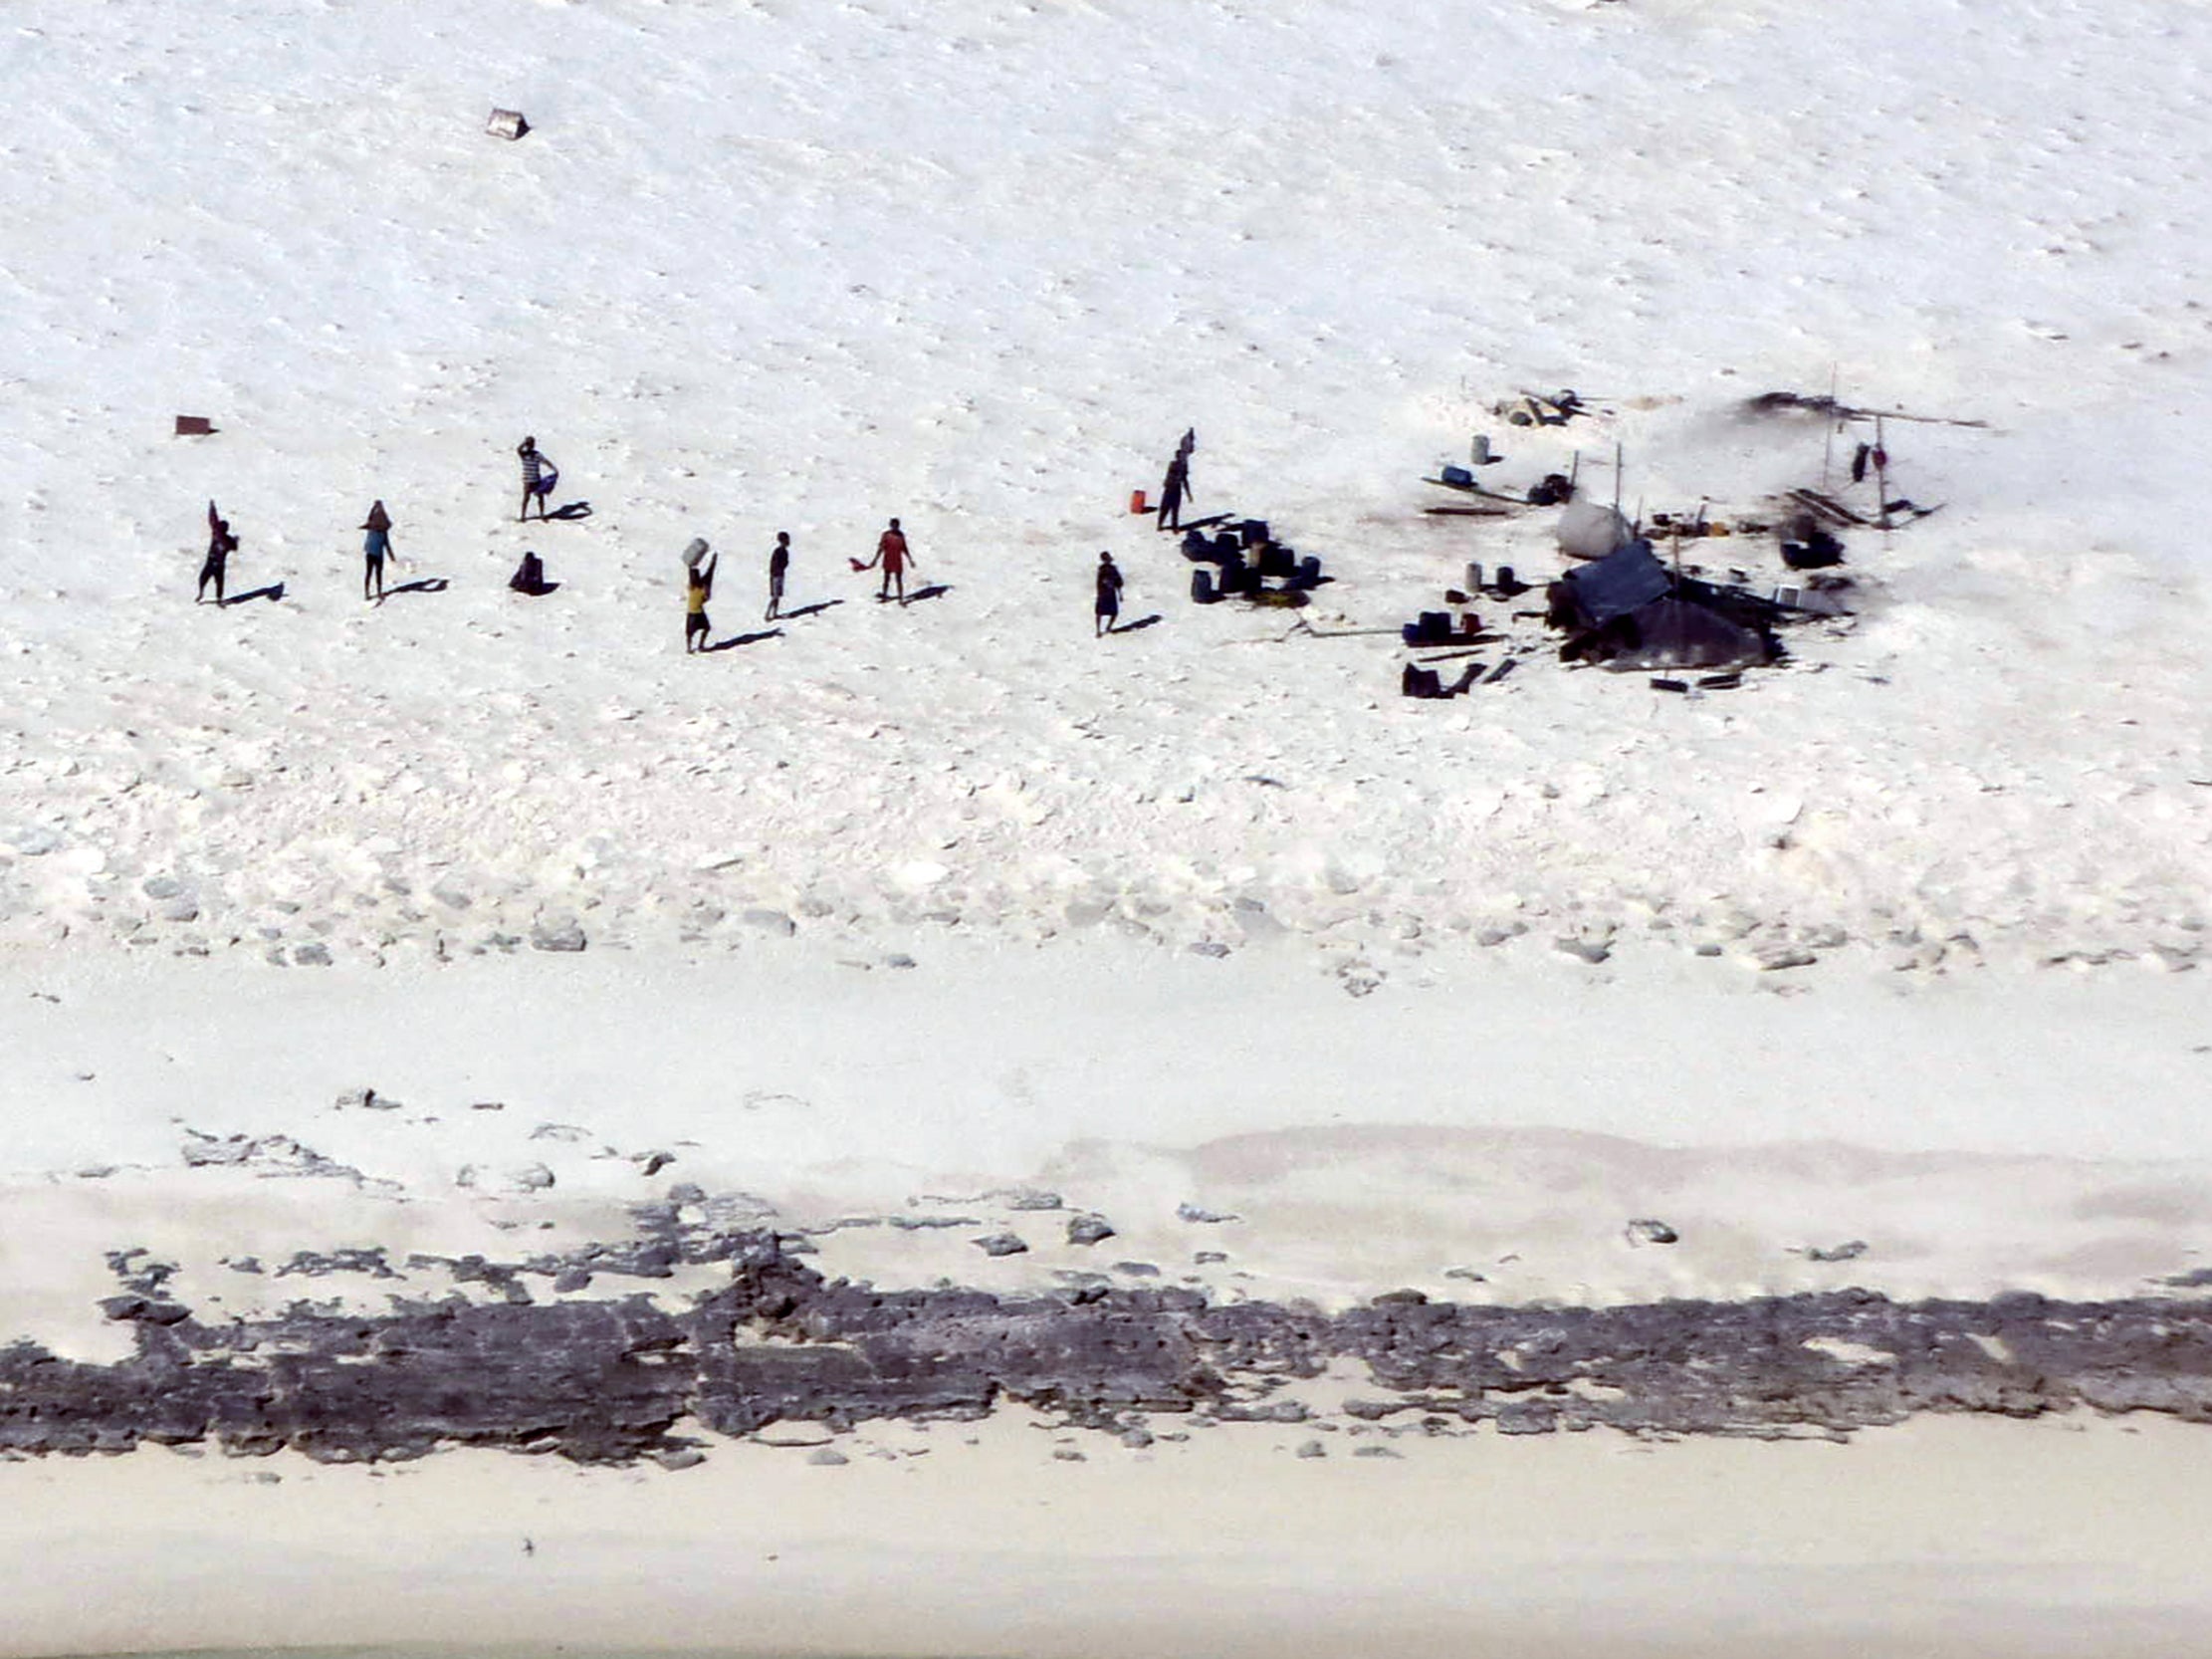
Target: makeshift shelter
1674 633
1590 529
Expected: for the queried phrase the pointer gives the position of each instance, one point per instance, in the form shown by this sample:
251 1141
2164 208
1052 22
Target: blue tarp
1618 583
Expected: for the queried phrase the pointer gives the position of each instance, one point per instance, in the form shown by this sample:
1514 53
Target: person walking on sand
221 544
779 563
1108 606
374 546
699 588
538 477
894 556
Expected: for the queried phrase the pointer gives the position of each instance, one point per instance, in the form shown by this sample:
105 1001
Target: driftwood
1796 403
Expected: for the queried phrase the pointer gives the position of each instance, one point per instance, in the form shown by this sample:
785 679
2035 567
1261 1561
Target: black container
1254 532
1201 587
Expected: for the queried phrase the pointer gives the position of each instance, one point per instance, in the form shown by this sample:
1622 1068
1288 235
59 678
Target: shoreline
978 1541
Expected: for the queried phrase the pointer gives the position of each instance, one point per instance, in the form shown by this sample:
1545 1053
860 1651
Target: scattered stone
570 1279
1400 1299
683 1457
143 1310
655 1162
2196 1279
1774 958
488 1106
571 1134
1373 1451
828 1458
1000 1244
1033 1199
898 958
161 886
1193 1212
264 1155
312 956
772 921
1313 1449
1585 947
923 1224
1089 1230
1837 1252
316 1264
1468 1274
1067 1454
1493 936
1137 1270
1251 915
516 1181
1644 1230
1526 1417
559 934
1209 947
1206 1257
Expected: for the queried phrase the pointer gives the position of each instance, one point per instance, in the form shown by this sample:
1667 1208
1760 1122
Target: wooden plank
1826 507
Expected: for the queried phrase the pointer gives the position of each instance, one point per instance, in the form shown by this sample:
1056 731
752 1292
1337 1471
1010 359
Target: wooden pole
1828 449
1881 474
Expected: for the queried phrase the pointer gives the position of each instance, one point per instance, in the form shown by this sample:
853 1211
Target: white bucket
1478 449
696 552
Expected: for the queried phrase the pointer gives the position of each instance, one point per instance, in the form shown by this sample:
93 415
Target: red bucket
1137 502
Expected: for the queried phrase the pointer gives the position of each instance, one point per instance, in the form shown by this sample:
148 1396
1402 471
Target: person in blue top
374 546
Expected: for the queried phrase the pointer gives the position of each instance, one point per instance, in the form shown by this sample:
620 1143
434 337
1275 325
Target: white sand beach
364 957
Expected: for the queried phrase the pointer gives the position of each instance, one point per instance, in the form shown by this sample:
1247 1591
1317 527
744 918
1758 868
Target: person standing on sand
221 544
779 563
894 556
1108 606
374 546
538 478
1172 492
699 587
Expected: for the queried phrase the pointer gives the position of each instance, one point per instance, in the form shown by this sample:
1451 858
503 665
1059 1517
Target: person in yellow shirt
699 587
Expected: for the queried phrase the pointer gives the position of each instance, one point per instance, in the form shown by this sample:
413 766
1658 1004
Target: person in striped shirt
538 478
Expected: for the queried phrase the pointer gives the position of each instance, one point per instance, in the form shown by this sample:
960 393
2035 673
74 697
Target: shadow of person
929 593
1141 623
423 585
737 640
573 510
274 591
814 609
